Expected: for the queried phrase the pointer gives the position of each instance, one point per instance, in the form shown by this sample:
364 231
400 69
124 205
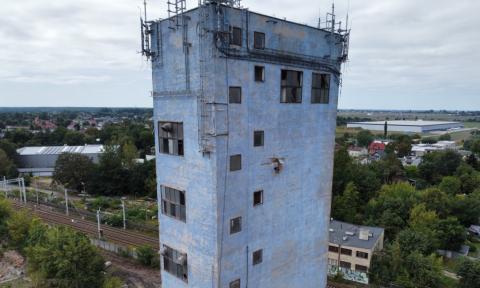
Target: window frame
166 203
174 139
234 30
231 97
257 257
259 133
346 251
233 168
168 257
235 225
258 34
342 264
333 249
358 254
361 268
285 86
323 96
235 284
262 70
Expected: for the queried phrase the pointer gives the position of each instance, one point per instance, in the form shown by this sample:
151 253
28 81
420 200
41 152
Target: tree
411 240
450 185
66 260
445 137
451 234
73 170
19 225
364 138
438 164
469 272
146 255
345 207
5 212
342 168
7 167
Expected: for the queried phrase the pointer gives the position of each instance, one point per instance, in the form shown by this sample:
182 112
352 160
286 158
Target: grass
20 283
472 125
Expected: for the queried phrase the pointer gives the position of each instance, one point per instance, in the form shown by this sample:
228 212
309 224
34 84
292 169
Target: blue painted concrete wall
292 225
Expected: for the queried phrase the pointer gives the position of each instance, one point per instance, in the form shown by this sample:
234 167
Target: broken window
175 263
236 36
258 40
235 95
258 138
291 86
333 249
344 264
235 225
173 203
235 162
257 257
346 251
361 268
259 73
235 284
170 136
320 88
361 254
258 198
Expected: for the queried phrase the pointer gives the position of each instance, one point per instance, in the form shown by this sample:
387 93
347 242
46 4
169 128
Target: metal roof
408 123
342 230
56 150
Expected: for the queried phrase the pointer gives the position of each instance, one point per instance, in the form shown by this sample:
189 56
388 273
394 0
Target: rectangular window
170 136
173 203
235 225
257 257
333 249
361 254
236 36
259 74
235 95
235 284
258 138
344 264
258 40
291 86
235 162
258 198
332 262
175 263
320 88
361 268
346 251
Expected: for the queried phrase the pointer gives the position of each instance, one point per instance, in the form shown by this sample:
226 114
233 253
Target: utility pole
36 188
5 186
19 184
124 219
24 191
66 201
98 224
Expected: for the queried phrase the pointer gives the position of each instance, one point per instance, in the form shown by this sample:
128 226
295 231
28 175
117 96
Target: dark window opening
259 73
333 249
259 40
344 264
235 162
361 268
235 225
175 263
291 86
236 36
258 138
235 95
320 88
173 203
257 257
170 136
235 284
258 198
361 254
346 251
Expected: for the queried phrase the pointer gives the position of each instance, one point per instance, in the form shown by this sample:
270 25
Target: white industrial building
408 126
40 161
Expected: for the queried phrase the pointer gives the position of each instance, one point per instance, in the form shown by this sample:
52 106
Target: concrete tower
245 111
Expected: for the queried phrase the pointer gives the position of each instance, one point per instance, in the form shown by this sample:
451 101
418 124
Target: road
114 235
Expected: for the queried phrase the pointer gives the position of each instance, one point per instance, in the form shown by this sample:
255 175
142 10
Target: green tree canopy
73 169
469 272
364 138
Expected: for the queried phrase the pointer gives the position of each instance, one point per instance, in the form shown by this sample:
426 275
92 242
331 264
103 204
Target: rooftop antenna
145 9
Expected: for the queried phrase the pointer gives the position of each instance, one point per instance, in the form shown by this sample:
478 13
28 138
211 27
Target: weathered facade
245 111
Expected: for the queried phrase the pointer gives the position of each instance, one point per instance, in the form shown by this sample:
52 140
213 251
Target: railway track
110 234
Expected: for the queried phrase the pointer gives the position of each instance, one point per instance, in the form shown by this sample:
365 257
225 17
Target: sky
404 54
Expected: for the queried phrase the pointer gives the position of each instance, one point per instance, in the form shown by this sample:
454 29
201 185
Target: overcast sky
405 54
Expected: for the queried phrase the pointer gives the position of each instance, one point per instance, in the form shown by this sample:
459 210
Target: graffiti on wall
348 274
